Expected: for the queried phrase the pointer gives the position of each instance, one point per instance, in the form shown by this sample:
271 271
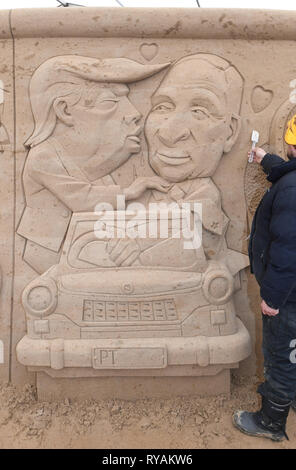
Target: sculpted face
189 126
105 122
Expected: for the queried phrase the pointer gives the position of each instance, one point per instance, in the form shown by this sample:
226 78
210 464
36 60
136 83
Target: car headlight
39 298
218 286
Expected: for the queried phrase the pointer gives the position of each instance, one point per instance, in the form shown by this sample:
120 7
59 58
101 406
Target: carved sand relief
93 288
149 50
261 98
160 111
7 125
87 122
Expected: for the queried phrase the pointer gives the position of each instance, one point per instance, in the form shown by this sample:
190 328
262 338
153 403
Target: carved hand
141 184
123 252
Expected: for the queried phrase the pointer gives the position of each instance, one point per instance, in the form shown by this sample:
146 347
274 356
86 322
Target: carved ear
235 127
61 109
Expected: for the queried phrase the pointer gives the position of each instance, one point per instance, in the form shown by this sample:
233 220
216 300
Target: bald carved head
194 118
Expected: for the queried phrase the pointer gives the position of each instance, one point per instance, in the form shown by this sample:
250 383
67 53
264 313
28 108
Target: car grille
157 310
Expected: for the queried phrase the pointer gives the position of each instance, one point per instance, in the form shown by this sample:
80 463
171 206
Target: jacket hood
280 170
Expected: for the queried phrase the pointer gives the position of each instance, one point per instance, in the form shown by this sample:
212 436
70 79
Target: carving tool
255 140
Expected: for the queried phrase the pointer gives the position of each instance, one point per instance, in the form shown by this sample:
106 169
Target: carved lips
134 138
171 159
134 135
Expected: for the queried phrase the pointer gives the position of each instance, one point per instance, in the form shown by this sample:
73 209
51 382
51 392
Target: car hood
129 282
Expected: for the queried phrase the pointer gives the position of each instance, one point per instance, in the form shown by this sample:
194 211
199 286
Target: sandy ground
179 423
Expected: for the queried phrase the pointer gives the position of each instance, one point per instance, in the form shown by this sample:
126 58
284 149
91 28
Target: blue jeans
279 365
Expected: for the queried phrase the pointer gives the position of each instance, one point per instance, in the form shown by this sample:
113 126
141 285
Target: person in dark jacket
272 252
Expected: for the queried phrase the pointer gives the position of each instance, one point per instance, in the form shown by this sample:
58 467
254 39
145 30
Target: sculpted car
151 309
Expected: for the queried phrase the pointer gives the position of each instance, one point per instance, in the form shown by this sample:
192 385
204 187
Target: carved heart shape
261 98
149 51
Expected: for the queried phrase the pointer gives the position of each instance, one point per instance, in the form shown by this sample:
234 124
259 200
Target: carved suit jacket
214 220
55 187
204 191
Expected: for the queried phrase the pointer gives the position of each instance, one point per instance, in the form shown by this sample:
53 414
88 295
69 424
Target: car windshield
107 246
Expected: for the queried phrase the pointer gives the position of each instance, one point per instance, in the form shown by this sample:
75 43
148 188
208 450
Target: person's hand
266 310
258 153
146 182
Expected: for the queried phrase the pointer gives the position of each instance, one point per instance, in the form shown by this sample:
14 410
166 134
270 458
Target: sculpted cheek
154 122
207 130
217 133
148 125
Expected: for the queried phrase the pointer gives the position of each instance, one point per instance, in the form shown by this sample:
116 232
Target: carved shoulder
43 158
204 188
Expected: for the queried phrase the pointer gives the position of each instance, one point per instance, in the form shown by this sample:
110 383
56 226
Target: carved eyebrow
156 99
97 94
106 94
208 99
200 96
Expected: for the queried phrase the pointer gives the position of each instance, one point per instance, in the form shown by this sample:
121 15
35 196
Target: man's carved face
107 123
189 122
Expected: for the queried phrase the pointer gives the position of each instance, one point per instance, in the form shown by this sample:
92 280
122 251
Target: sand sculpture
161 120
125 289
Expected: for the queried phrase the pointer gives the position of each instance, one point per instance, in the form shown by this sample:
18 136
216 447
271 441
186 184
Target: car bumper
134 353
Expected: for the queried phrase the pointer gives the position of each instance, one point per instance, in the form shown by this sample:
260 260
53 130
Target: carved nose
132 115
172 136
133 118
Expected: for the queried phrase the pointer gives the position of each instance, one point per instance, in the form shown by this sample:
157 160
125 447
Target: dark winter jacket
272 247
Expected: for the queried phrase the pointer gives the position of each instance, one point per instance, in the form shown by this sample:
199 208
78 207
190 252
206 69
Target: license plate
129 358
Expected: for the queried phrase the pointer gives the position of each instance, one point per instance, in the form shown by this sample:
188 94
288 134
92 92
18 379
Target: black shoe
251 424
269 422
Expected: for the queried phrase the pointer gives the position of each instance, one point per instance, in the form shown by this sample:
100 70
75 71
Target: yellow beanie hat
290 136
